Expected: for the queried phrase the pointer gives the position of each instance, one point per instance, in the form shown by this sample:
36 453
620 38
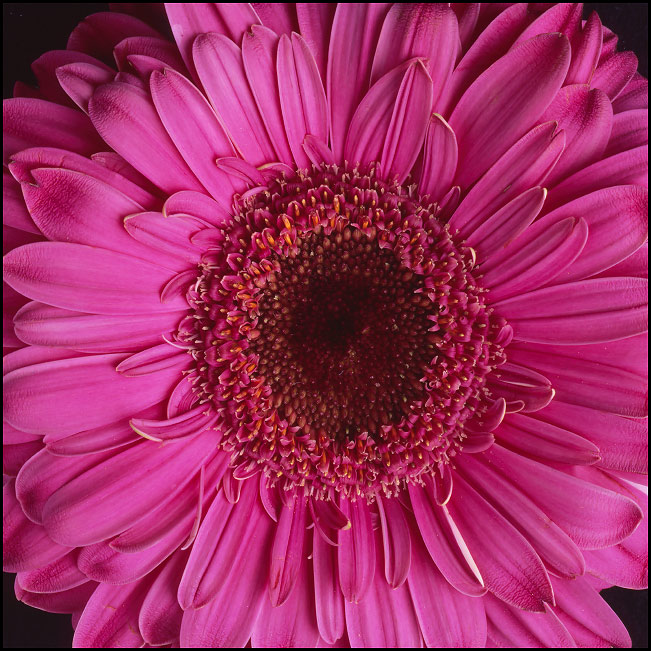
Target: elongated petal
439 158
396 541
630 130
279 16
586 49
125 117
357 551
512 92
329 601
62 574
315 23
355 31
613 74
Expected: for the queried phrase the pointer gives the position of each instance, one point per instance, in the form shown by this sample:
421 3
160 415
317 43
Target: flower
327 326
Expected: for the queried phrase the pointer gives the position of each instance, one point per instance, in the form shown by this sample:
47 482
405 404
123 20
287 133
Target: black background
29 30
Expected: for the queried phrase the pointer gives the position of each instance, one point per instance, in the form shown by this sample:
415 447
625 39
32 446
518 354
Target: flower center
340 335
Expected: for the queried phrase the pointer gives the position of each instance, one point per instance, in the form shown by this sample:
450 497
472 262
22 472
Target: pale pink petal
439 158
302 98
329 601
425 30
259 49
606 517
126 119
221 70
447 617
513 92
586 117
409 121
357 551
355 31
55 273
617 226
37 123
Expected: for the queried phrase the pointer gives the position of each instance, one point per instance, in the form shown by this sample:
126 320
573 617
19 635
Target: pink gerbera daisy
326 327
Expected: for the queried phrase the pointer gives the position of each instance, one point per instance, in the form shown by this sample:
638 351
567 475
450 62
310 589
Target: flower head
326 327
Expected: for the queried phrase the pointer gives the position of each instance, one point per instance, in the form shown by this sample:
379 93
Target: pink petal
37 123
357 551
355 31
129 51
287 551
622 442
511 627
439 158
606 517
193 126
468 15
25 545
370 125
228 620
585 312
507 223
425 30
630 130
586 117
447 617
621 169
56 273
396 541
542 441
613 74
586 49
528 78
302 98
221 70
409 121
527 164
14 456
43 157
550 542
14 212
68 601
95 505
125 117
99 33
110 618
563 18
329 601
196 205
587 617
279 16
80 80
292 624
534 258
617 223
317 151
634 96
160 616
315 22
442 544
57 576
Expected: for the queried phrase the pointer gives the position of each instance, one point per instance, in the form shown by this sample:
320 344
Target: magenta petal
509 566
396 541
528 78
221 70
37 123
14 211
292 624
57 576
630 130
315 23
586 117
94 506
228 620
355 30
80 80
447 618
612 75
287 551
67 601
125 117
586 49
606 517
617 224
357 551
278 16
634 96
511 627
302 98
587 617
439 158
406 131
563 18
392 607
110 618
425 30
329 601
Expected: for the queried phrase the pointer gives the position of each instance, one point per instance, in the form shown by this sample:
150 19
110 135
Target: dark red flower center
340 335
